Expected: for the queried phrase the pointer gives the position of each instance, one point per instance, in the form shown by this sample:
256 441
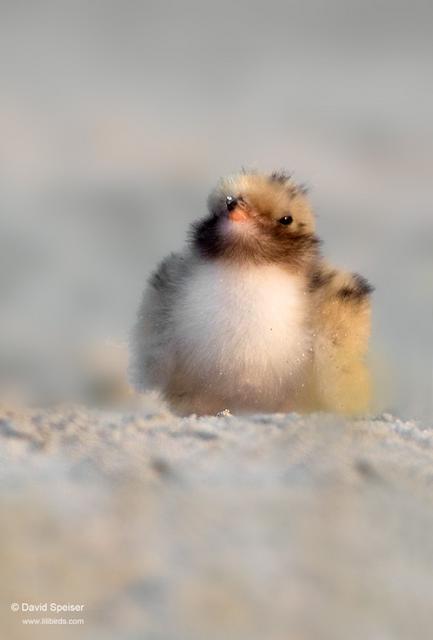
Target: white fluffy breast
243 329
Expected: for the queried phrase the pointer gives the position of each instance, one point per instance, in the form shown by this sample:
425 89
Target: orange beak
238 215
239 210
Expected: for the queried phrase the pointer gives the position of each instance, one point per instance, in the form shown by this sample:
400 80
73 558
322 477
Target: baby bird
249 317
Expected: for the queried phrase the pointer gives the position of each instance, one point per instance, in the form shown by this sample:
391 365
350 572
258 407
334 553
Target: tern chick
250 317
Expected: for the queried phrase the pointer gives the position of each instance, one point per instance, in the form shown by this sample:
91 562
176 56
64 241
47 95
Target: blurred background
116 119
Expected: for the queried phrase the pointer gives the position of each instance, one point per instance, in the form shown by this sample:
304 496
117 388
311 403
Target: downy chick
249 317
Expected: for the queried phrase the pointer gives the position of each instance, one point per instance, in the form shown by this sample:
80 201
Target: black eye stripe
286 220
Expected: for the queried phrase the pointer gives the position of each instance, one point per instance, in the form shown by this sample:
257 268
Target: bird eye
286 220
231 202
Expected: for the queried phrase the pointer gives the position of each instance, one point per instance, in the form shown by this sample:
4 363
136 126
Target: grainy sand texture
270 526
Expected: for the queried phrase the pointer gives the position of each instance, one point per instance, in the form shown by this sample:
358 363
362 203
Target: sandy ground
277 527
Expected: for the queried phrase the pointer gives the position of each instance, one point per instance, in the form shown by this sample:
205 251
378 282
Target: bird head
257 218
